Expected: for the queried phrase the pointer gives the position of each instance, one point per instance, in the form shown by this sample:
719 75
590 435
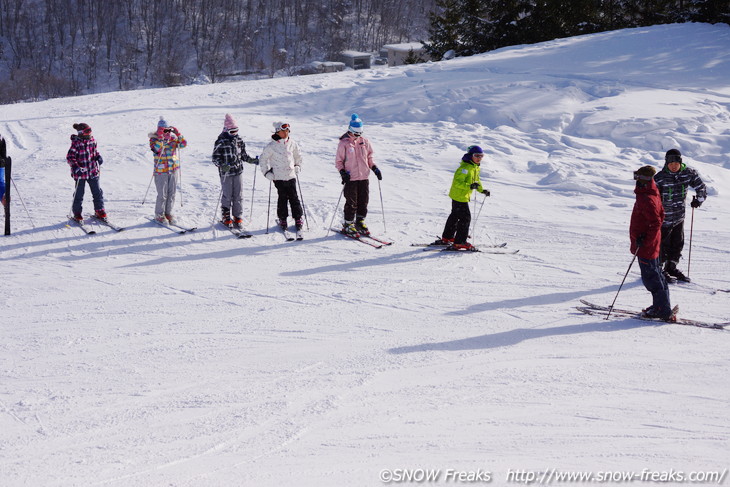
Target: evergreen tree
445 31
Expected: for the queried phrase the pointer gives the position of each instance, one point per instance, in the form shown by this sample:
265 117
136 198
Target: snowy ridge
149 358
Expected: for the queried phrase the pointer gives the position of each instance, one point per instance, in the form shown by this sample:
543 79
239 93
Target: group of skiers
657 226
280 162
657 220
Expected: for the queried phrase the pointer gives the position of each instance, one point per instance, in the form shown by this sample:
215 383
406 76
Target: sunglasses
167 131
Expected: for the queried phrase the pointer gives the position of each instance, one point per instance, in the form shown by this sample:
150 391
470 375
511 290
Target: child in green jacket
466 179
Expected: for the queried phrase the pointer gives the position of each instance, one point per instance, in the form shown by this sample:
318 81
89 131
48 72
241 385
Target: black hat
673 155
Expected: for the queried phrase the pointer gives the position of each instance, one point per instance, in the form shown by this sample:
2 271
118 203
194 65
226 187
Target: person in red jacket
645 231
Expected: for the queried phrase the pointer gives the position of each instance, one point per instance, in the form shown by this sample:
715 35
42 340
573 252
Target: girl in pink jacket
354 161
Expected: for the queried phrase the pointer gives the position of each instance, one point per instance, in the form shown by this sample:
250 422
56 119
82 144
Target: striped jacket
673 190
84 158
165 149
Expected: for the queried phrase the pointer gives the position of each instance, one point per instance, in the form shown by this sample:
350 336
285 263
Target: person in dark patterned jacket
84 159
229 154
673 182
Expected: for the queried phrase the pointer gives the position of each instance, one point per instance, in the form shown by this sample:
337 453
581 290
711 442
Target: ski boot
282 223
226 217
671 269
362 227
100 214
348 228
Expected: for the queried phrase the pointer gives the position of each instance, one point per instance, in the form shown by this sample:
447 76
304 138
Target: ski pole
220 195
610 308
691 227
268 208
157 158
7 202
474 221
76 188
473 232
178 176
304 208
335 212
382 208
253 188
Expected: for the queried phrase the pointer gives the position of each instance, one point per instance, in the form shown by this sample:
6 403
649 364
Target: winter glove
378 174
345 176
255 160
696 202
269 175
474 186
640 240
225 167
176 131
297 169
486 192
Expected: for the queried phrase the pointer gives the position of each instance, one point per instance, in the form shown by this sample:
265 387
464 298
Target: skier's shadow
513 337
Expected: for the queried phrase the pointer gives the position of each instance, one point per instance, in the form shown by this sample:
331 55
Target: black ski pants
357 196
457 225
672 243
288 197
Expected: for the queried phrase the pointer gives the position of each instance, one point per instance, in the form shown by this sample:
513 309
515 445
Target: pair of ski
490 249
374 242
90 231
237 231
290 237
175 227
598 310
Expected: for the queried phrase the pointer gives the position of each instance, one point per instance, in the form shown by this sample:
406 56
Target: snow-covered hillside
150 358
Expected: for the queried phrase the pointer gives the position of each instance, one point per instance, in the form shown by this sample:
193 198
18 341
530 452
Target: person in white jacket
280 162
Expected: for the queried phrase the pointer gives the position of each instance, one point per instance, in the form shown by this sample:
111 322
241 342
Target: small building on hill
356 59
398 53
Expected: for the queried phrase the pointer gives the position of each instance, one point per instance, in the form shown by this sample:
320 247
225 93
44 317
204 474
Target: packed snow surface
149 358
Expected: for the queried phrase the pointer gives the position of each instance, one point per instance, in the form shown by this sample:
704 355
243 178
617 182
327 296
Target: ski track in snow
146 357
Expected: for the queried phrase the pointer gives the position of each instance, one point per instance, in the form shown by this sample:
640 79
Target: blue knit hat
355 124
162 123
474 149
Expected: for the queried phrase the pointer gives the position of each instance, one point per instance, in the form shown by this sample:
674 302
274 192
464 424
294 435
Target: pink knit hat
230 122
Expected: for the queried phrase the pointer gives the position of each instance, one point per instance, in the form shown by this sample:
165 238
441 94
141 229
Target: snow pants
672 243
288 197
457 225
357 197
654 282
96 193
166 184
232 193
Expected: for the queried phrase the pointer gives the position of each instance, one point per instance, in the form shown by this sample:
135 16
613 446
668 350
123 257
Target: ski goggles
283 126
